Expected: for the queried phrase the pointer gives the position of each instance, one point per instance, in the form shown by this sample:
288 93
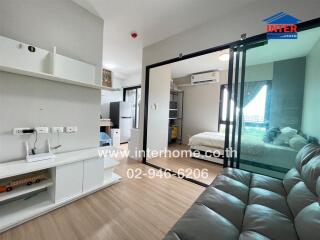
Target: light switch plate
71 129
57 129
19 131
42 130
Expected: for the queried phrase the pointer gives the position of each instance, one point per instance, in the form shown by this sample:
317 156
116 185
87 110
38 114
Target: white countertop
19 167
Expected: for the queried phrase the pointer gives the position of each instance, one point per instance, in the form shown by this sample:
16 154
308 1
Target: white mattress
207 149
252 149
208 139
209 158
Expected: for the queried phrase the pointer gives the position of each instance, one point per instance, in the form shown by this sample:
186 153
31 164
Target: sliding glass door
270 102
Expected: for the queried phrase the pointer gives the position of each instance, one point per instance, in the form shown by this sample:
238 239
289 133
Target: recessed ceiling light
224 57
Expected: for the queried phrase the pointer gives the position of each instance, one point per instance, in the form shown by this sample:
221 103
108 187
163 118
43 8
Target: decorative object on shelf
23 180
106 78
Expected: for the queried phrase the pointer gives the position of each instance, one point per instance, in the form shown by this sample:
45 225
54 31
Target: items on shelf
175 116
29 179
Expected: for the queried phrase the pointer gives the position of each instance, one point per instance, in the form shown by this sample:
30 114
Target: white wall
160 79
311 111
132 80
224 30
30 102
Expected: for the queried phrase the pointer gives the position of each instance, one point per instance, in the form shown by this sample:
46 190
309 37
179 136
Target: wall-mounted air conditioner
205 78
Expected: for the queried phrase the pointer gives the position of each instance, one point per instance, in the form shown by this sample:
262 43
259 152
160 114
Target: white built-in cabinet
72 175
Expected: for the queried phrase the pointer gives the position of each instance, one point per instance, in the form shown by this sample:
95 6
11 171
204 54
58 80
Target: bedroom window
256 105
223 108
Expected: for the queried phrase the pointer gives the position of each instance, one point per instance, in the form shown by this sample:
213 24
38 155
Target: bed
257 156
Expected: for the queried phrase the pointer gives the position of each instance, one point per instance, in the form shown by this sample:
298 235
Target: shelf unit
51 77
73 175
23 190
46 76
110 88
177 96
48 65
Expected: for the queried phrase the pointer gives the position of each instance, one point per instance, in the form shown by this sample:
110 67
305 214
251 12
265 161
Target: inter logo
282 26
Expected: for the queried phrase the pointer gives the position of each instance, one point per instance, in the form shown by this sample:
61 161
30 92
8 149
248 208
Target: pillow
297 142
271 134
284 137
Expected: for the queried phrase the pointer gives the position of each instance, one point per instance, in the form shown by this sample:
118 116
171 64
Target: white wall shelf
23 190
46 76
110 88
47 65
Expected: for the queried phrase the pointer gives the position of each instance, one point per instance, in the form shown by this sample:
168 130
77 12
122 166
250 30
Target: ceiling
275 50
153 20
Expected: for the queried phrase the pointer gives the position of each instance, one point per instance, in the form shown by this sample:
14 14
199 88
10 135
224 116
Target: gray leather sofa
247 206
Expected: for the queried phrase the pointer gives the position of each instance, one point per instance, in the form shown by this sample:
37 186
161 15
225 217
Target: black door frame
136 103
260 37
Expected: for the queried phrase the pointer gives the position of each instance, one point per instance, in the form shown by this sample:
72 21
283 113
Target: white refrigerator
121 117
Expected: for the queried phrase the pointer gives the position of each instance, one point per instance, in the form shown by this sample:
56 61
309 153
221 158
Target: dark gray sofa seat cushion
268 222
270 199
224 204
237 174
202 223
290 179
231 186
250 235
308 222
300 197
268 183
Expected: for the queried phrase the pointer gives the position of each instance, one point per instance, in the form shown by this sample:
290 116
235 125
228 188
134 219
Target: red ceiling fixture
134 35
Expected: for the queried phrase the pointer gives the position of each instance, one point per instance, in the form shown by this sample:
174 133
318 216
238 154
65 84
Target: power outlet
57 129
22 131
71 129
42 130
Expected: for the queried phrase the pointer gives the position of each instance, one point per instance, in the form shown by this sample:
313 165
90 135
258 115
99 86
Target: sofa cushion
268 222
250 235
202 223
237 174
305 155
300 197
290 179
269 199
268 183
308 222
231 186
311 172
224 204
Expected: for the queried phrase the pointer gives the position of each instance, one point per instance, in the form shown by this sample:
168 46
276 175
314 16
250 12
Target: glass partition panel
279 100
